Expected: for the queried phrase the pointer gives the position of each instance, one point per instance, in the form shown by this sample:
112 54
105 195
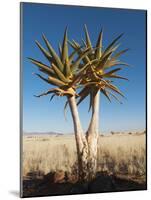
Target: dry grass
123 154
48 153
118 154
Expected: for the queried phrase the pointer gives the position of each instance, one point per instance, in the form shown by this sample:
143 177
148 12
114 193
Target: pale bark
92 136
86 146
81 142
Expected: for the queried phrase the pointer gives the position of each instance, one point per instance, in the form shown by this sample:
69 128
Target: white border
9 97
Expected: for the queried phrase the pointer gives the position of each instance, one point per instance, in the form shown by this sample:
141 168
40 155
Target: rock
59 177
71 178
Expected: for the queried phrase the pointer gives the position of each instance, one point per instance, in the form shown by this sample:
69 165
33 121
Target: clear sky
39 114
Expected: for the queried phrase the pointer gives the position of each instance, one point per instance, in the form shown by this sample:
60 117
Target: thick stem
94 123
92 136
81 143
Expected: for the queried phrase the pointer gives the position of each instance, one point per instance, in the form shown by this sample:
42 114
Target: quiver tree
93 71
63 73
98 78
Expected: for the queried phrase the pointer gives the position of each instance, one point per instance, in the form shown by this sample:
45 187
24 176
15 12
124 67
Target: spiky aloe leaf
42 66
84 43
71 57
45 93
110 46
113 60
90 83
76 44
120 53
114 96
75 81
45 53
93 92
65 109
67 69
87 91
114 48
112 63
65 47
91 101
80 73
98 50
71 43
77 47
87 37
79 59
86 66
58 91
55 81
124 64
43 78
114 88
103 61
52 97
53 53
83 94
51 80
107 74
60 50
59 74
117 76
105 94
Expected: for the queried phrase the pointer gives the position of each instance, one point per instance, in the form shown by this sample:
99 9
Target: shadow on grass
36 184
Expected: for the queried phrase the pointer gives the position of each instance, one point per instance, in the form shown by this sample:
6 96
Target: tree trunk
81 142
92 136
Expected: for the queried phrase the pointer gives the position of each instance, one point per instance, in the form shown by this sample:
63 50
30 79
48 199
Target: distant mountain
42 133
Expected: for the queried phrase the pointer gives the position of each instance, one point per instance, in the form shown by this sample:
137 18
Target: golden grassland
122 154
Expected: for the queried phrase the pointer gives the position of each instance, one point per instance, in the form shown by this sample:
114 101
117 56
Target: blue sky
39 114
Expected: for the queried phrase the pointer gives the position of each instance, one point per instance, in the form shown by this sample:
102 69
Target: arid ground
50 167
